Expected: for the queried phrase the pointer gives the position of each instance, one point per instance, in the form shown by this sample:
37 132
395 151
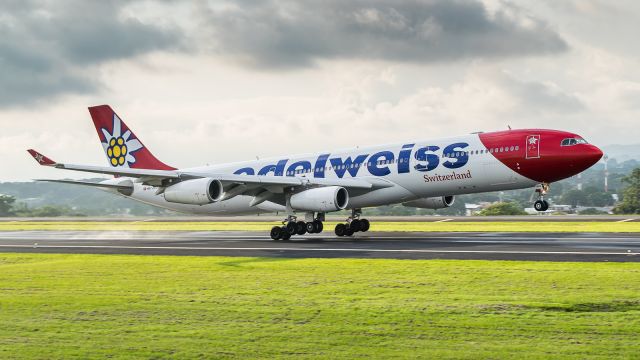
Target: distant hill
88 200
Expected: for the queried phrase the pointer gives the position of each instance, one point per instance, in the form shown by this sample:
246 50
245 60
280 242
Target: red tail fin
121 145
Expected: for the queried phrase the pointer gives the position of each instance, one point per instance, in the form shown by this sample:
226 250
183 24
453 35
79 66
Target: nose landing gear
353 224
541 204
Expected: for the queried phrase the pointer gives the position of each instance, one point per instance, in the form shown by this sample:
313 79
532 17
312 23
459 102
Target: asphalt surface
489 246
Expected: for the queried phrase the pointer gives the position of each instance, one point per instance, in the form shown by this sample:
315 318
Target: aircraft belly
379 197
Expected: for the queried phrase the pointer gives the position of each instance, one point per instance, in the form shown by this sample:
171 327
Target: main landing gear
541 204
353 224
291 226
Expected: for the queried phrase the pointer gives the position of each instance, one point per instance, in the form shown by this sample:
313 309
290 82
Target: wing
119 186
262 188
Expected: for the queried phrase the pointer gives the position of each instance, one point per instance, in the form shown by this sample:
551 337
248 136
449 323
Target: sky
212 82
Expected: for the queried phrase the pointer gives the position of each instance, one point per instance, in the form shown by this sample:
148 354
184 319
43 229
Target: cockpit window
573 141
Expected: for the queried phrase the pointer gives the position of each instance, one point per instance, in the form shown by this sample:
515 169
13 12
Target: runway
397 245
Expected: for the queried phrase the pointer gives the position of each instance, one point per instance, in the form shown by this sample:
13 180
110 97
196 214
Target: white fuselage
418 169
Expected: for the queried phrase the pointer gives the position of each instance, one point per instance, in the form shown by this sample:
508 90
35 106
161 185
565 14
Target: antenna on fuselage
509 126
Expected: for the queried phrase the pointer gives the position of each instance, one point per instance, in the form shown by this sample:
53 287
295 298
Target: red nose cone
592 154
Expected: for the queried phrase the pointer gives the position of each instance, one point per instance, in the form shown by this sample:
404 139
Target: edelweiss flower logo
120 147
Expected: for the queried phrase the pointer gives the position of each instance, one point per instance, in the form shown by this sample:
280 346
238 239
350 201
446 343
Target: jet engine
195 192
321 199
439 202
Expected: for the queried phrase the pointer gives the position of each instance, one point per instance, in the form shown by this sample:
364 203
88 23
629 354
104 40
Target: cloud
51 48
537 97
290 34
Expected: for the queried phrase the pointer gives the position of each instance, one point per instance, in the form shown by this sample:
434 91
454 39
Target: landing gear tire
364 225
311 228
340 229
276 233
286 234
291 227
356 225
546 205
301 228
317 224
349 231
541 205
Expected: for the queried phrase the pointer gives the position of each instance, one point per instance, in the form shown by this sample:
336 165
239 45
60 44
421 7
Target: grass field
587 226
117 306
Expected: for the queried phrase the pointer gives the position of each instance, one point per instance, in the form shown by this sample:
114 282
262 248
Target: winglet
41 159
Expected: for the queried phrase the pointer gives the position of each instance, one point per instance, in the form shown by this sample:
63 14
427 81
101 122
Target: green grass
519 226
113 306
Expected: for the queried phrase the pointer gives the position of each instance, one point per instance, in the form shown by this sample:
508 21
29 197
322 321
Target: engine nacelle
440 202
194 192
322 199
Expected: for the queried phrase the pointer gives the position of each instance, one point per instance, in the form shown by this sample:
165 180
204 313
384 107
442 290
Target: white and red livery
420 173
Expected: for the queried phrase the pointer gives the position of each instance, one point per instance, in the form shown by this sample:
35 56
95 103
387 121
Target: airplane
422 174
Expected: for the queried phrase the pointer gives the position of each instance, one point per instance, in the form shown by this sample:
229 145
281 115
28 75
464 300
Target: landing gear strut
353 224
292 226
541 204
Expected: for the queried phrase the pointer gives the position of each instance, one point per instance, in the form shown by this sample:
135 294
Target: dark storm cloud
297 33
47 48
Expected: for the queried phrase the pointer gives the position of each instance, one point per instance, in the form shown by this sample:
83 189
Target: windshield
573 141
